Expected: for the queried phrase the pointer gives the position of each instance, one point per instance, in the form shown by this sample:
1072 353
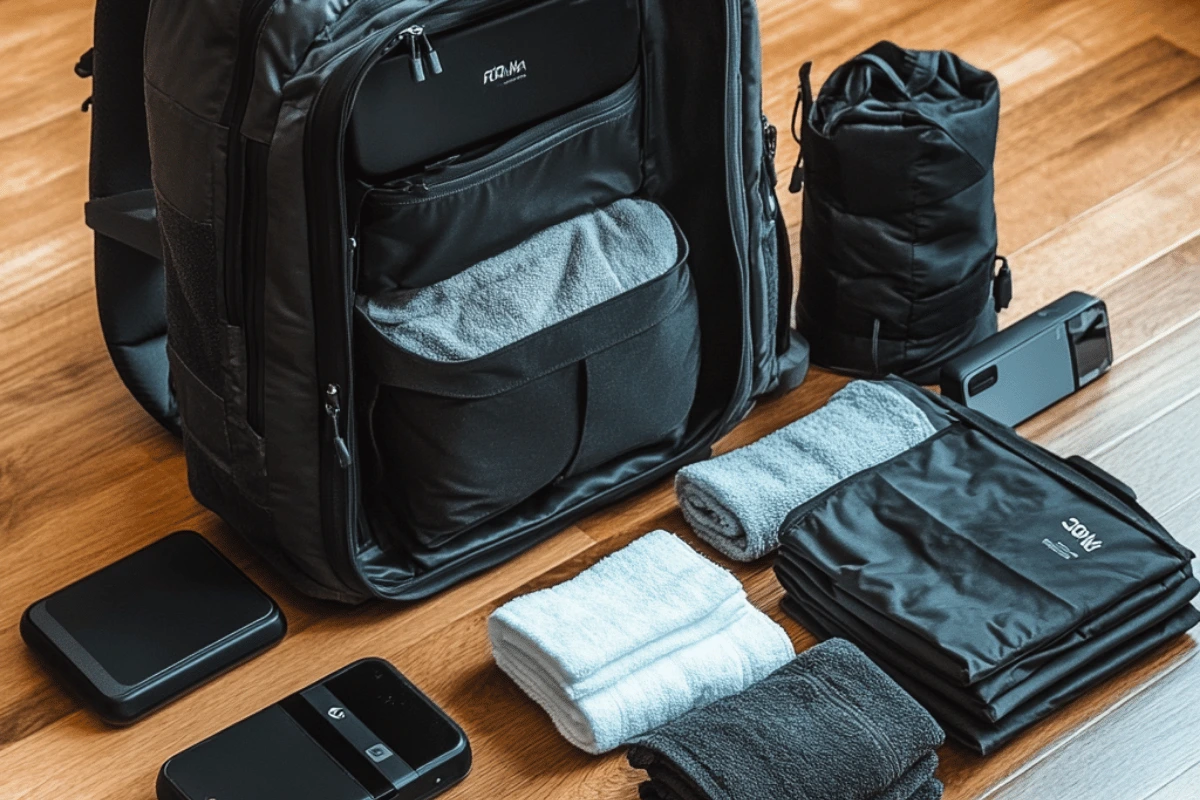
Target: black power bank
144 630
443 91
363 733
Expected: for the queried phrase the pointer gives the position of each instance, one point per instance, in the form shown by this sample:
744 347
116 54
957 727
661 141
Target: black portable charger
363 733
144 630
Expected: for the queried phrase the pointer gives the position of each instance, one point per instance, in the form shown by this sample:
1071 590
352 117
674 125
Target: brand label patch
506 73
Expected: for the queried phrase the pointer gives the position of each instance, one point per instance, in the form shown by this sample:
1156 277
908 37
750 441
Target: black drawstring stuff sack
898 243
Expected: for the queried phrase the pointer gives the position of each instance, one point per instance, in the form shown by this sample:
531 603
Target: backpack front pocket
475 413
424 228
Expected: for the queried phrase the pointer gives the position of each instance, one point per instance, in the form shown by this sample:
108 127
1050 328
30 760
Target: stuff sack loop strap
1002 285
804 101
888 70
924 64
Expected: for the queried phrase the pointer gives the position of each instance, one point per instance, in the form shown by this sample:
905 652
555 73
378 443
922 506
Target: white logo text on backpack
507 73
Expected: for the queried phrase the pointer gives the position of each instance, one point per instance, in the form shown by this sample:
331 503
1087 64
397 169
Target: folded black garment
998 695
966 547
985 738
995 580
829 725
816 584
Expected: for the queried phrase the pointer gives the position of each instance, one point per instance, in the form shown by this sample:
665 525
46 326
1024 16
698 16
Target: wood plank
1042 195
1129 229
1081 35
1076 109
1088 190
1183 520
1185 786
1152 448
311 624
46 85
1107 410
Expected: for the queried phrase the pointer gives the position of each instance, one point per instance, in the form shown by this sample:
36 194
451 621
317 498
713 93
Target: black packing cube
995 580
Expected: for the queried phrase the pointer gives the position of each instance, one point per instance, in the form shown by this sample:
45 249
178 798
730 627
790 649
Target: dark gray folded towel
829 725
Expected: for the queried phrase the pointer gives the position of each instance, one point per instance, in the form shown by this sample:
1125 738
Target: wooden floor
1098 189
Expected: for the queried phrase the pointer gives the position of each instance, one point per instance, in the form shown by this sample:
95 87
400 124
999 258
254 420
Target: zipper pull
413 186
333 410
435 63
415 61
771 146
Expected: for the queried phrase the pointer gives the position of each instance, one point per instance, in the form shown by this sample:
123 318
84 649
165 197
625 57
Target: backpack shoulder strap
129 273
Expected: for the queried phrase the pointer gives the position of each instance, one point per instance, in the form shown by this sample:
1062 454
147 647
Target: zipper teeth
736 199
338 509
501 161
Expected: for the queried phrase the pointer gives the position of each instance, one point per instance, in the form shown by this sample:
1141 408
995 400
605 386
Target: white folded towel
645 635
736 502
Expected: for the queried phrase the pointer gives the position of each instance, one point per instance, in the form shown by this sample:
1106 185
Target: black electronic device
1035 362
452 86
144 630
363 733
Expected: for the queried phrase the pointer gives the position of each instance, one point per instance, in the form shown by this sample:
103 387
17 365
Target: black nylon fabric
985 738
461 442
994 580
991 700
411 239
898 240
247 103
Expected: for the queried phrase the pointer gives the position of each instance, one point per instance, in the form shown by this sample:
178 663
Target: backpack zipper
735 196
244 243
459 175
420 50
333 410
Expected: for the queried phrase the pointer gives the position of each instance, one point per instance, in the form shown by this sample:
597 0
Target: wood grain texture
1184 786
1098 182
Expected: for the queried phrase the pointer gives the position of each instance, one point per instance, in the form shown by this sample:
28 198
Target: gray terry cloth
736 502
829 725
550 277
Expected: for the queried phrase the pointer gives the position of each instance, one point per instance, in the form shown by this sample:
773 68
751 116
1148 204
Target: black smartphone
144 630
363 733
1035 362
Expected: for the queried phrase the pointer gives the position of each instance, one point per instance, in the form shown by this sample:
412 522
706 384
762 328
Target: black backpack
357 469
898 242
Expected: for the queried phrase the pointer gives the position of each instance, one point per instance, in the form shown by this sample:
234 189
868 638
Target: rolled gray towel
550 277
829 725
736 502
